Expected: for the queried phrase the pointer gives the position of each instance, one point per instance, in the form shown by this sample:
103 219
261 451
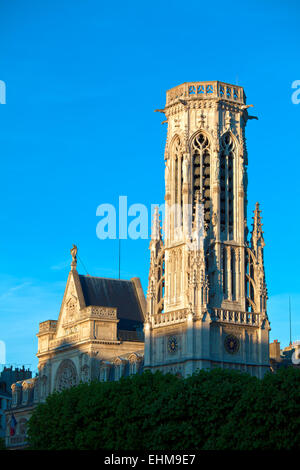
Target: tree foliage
218 409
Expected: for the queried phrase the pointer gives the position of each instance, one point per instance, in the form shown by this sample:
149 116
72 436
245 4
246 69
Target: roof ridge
108 278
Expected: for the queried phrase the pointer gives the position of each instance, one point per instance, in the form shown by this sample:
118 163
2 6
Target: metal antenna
290 314
83 264
119 258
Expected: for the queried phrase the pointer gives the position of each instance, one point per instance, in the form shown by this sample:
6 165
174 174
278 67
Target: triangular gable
72 303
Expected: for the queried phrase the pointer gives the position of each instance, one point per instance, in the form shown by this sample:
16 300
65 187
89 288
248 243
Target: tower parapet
206 90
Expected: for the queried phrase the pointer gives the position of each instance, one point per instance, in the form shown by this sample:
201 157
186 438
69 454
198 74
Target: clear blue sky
83 78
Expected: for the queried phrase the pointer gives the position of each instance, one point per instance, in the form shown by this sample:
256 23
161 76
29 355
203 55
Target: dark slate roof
117 293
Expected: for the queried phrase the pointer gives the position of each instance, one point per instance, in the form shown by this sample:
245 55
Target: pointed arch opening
227 151
160 294
201 152
249 281
176 152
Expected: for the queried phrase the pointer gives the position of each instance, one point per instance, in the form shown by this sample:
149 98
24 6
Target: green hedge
218 409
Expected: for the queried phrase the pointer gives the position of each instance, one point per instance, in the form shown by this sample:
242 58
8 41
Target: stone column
148 342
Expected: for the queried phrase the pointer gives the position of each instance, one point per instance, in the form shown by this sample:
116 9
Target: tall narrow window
224 271
201 172
178 180
233 274
249 281
161 283
226 183
176 177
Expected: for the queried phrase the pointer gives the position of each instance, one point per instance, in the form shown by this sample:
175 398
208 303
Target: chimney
275 350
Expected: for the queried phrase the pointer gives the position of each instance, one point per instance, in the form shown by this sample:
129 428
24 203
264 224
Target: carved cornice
107 313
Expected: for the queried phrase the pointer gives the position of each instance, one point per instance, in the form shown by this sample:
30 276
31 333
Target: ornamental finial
74 257
156 231
257 239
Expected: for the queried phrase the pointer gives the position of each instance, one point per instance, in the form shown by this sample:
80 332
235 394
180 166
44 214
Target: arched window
224 271
118 368
25 395
178 181
16 393
22 426
44 386
233 274
133 365
15 397
104 373
249 281
229 272
226 182
161 283
201 172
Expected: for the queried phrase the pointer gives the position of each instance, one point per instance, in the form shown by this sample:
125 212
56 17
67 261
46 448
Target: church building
206 303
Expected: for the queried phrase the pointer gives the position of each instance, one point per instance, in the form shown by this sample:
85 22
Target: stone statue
186 170
167 171
74 256
214 219
217 169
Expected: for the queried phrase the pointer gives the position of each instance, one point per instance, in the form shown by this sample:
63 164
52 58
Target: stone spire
257 245
156 229
257 239
156 271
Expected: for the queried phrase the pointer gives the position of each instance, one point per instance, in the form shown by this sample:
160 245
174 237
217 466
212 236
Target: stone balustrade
206 90
242 318
221 315
109 313
177 316
16 441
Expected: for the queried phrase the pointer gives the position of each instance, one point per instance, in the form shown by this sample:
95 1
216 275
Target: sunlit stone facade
98 336
206 299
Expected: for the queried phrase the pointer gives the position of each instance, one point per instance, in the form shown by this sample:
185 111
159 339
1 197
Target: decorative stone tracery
66 375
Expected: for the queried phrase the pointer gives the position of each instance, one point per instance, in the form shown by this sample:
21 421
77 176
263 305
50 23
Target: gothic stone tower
207 294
